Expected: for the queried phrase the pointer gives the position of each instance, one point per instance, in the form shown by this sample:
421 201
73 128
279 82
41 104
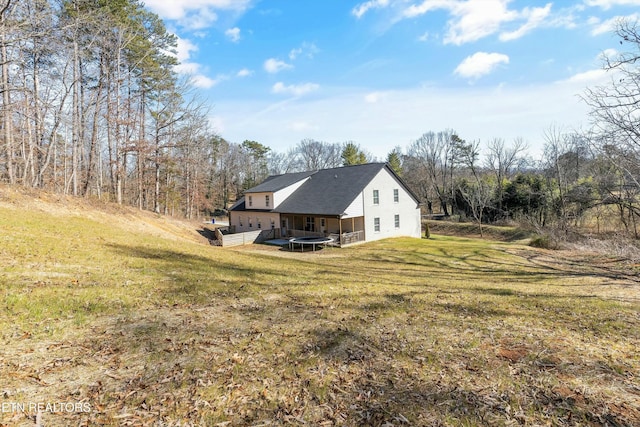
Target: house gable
255 210
330 192
274 190
390 208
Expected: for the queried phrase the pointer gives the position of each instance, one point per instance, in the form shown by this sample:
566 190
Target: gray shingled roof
330 191
278 182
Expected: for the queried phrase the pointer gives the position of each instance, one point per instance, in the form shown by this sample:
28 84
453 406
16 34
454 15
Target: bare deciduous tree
434 154
502 160
615 109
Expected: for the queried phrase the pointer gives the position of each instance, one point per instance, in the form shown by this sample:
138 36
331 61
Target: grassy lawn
148 325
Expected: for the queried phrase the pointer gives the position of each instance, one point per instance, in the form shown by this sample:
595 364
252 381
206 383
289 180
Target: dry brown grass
449 331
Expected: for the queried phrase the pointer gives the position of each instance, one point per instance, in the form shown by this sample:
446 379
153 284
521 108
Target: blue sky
383 72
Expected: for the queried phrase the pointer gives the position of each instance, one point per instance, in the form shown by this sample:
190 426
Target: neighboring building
352 204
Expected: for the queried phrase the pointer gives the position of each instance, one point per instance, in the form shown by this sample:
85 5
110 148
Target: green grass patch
159 329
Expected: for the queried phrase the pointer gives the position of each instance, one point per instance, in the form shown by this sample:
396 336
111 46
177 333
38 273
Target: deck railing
345 239
338 239
304 233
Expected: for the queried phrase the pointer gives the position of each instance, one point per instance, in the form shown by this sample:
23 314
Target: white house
352 204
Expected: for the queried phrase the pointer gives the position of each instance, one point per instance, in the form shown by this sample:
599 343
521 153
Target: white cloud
472 20
177 9
608 4
363 8
245 72
307 50
302 126
273 65
190 68
295 90
476 112
217 124
596 76
184 49
477 19
535 17
374 97
608 26
427 6
424 37
602 27
195 14
187 68
591 76
203 82
480 63
199 20
608 53
233 34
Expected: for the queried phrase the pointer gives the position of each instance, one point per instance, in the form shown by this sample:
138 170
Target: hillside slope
58 207
133 319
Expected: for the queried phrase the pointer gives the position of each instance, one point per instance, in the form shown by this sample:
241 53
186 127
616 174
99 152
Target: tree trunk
7 123
94 156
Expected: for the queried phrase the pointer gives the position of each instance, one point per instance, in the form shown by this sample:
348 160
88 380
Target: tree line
578 182
91 106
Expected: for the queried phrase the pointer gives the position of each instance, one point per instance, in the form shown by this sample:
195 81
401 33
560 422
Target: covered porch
344 231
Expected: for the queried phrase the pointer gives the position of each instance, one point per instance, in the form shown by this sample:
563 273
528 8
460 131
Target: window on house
396 195
266 200
311 224
250 223
376 197
259 223
396 220
250 201
376 224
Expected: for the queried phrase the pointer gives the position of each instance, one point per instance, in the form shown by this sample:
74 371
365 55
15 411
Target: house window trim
376 197
310 223
396 221
267 200
376 224
250 201
396 195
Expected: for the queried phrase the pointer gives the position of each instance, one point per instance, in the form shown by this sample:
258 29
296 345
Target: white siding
281 195
258 201
249 220
387 209
355 209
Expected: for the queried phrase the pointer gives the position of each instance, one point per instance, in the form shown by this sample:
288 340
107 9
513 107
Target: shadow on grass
439 264
187 278
356 361
234 341
208 234
380 383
